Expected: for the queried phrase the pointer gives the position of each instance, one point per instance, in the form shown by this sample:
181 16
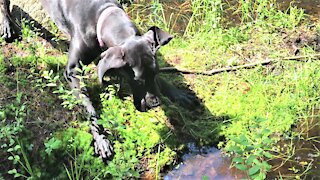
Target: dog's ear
111 59
159 36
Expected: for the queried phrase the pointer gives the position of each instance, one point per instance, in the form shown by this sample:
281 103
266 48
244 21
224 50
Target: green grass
246 113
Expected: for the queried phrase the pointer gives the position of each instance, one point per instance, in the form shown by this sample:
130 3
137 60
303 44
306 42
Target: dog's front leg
77 52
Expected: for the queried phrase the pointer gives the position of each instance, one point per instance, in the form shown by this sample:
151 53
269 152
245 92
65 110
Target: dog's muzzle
150 101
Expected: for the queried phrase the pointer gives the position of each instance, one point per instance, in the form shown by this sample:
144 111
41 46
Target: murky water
311 7
296 156
204 164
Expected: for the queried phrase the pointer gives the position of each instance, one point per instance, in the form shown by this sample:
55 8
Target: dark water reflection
204 164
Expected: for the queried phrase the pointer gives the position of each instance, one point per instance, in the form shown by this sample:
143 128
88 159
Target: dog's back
67 13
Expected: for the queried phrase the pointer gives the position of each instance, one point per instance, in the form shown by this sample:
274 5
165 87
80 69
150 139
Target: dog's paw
102 146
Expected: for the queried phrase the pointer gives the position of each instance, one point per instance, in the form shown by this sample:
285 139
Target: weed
76 169
251 150
51 145
69 100
206 16
12 123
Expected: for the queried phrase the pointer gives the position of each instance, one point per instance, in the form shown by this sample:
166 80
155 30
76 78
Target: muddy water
311 7
204 164
295 156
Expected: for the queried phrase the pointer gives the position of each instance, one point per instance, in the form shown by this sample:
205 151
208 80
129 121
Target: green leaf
257 162
16 175
266 165
267 154
17 147
267 141
249 148
51 85
254 170
12 171
236 149
260 176
241 167
243 138
205 178
265 131
16 157
251 159
237 160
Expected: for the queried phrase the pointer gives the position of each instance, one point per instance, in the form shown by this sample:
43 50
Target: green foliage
135 136
51 145
12 123
271 106
54 81
266 14
250 151
206 16
76 171
2 64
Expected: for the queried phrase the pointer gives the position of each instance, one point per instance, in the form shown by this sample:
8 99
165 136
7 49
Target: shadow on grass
19 15
195 124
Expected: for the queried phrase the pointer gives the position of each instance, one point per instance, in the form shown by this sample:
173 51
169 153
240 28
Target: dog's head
137 58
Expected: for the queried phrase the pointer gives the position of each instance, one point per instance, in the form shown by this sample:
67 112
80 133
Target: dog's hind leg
77 52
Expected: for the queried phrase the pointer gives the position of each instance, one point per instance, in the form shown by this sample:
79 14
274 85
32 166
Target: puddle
294 158
311 7
299 156
206 163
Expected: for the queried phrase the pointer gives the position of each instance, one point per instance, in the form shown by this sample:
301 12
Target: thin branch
234 68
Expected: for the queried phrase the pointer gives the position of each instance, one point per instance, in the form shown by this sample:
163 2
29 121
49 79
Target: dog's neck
114 27
105 13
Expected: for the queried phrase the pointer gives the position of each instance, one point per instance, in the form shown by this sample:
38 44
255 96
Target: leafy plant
51 145
16 113
206 16
250 151
68 97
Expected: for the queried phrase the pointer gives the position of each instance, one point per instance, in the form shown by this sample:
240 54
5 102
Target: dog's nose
152 100
148 102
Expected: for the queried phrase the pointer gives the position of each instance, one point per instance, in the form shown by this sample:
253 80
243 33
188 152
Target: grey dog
101 27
